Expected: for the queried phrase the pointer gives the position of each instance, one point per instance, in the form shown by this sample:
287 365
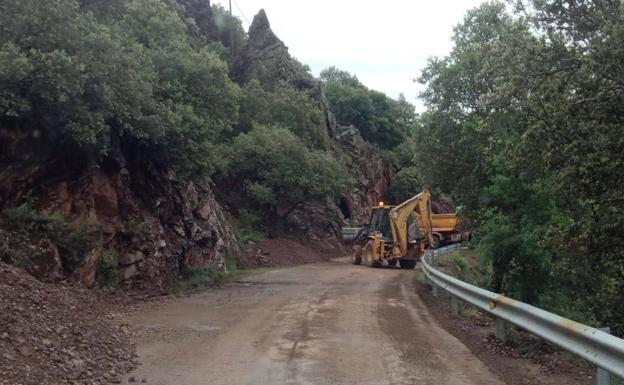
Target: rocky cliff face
151 223
372 176
266 59
154 225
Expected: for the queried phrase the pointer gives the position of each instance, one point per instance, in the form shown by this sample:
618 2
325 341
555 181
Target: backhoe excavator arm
400 214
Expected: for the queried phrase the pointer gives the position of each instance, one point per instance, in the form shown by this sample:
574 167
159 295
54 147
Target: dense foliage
277 172
71 79
380 119
524 127
152 79
405 184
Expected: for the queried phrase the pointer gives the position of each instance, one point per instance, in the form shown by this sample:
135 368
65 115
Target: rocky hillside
119 204
266 58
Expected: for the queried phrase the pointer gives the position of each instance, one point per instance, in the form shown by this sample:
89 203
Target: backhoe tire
436 242
407 263
356 255
392 262
367 256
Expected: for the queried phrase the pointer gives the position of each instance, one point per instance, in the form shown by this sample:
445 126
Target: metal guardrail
349 233
600 348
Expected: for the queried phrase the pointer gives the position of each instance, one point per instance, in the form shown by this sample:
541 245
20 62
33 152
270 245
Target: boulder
46 262
128 259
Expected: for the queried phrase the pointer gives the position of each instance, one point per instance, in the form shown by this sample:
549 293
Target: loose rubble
58 334
285 252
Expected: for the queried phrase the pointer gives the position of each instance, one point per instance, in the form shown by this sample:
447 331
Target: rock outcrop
200 11
371 174
266 58
153 224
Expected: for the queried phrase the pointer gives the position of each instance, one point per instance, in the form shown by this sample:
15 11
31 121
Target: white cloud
386 44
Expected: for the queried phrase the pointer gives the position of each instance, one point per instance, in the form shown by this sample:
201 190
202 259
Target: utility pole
231 33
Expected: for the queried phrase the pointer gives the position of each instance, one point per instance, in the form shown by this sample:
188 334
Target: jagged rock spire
260 22
261 35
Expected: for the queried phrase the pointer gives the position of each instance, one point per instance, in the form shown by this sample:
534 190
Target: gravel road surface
326 323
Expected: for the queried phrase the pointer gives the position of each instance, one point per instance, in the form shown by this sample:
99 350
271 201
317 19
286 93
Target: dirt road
326 323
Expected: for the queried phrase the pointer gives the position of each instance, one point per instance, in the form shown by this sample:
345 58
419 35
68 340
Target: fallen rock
51 334
131 258
128 272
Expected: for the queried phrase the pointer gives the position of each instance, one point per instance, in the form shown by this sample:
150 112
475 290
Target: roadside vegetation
198 279
524 128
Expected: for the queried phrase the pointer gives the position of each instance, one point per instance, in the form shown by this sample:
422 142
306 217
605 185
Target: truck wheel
436 241
356 255
407 263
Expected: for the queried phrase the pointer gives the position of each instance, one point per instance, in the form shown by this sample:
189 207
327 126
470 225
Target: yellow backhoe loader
395 234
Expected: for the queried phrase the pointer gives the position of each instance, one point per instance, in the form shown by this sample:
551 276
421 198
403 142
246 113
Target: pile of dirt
285 252
56 334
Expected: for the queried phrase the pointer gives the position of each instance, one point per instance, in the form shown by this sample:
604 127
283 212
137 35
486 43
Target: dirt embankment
56 334
523 360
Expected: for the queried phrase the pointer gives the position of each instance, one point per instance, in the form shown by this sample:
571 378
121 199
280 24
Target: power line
242 13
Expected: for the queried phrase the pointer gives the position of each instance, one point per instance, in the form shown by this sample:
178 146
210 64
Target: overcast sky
385 43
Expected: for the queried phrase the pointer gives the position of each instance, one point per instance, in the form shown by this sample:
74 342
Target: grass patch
246 235
460 262
196 280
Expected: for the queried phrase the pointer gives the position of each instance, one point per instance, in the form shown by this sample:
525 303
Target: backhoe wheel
436 241
368 255
356 255
392 262
407 263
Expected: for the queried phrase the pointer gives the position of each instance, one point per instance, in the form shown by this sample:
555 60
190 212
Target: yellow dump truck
445 229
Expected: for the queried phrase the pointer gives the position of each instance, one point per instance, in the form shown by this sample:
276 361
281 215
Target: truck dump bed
443 222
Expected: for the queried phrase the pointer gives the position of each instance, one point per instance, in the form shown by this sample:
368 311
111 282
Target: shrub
460 261
72 240
246 235
193 279
107 275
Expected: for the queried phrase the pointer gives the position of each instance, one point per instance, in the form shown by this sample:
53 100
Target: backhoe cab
395 234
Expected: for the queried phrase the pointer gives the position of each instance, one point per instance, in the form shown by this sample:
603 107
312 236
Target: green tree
380 119
72 80
278 172
524 128
285 107
405 184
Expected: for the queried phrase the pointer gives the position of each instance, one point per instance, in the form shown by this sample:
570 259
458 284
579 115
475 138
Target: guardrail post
434 289
501 330
455 304
602 376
